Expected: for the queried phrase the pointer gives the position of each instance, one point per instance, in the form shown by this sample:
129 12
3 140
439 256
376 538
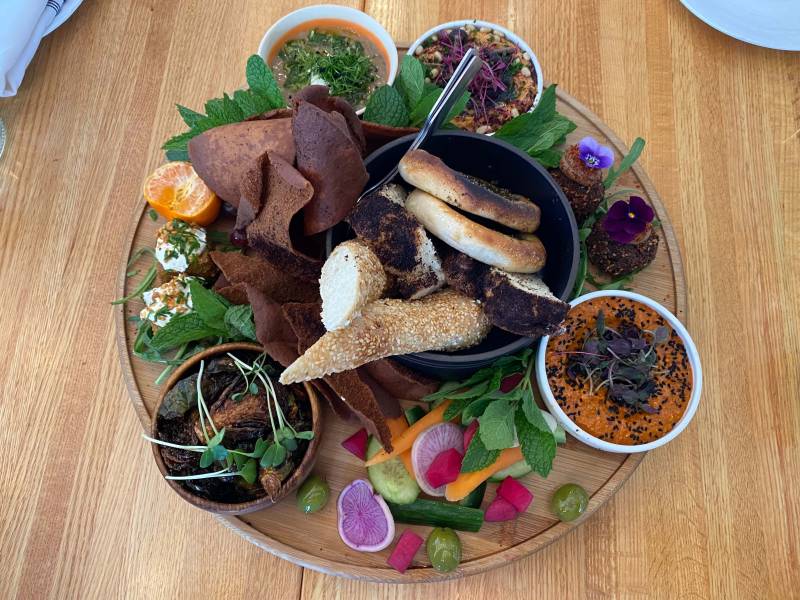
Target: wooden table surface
85 513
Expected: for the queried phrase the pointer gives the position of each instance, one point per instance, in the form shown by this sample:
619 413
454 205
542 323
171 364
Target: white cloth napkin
22 25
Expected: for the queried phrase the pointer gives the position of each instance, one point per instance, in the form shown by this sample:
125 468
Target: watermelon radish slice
470 432
404 551
515 493
500 510
365 523
356 444
445 468
430 444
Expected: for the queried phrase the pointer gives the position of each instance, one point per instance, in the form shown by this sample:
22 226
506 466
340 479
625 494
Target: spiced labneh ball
617 259
580 175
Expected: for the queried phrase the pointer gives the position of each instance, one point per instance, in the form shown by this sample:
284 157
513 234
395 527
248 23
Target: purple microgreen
621 359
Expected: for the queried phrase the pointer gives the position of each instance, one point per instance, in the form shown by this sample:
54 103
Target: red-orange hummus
595 413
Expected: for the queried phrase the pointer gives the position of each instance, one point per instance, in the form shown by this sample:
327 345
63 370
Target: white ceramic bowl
361 20
570 426
509 34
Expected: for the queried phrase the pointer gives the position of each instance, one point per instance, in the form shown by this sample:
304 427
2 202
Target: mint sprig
263 95
408 101
540 131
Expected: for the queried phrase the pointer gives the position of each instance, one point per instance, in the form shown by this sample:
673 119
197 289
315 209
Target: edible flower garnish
626 220
622 360
594 155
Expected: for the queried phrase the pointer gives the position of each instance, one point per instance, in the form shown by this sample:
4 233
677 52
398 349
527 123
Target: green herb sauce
350 67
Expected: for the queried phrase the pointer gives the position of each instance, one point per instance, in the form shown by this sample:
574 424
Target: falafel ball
617 259
584 200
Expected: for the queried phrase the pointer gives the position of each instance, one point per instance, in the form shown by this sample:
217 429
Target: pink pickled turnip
500 510
510 382
445 468
430 444
404 551
470 432
515 493
365 523
357 444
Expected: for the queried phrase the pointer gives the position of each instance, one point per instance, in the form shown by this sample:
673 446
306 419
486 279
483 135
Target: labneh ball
616 259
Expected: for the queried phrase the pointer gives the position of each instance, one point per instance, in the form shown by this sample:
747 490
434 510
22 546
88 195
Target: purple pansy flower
594 155
627 220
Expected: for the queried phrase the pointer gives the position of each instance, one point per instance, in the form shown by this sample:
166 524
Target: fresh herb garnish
625 164
497 395
152 214
238 463
408 101
339 61
262 96
622 360
539 131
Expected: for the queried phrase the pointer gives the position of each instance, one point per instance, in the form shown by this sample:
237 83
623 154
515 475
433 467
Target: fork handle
463 75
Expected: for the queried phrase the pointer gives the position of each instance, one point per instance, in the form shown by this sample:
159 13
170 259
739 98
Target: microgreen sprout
269 454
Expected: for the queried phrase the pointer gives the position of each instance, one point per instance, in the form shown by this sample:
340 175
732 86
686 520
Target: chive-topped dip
347 61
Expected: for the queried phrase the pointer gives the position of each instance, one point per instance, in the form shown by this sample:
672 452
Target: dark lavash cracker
377 135
238 268
282 192
357 389
319 96
223 154
272 329
400 381
329 158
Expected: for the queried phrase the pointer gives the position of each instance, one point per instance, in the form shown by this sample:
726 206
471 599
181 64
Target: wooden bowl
239 508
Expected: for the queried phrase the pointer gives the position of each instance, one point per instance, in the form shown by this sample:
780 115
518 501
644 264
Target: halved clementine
175 191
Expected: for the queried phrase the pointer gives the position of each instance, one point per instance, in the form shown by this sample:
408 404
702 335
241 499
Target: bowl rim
237 508
338 12
572 428
507 32
445 360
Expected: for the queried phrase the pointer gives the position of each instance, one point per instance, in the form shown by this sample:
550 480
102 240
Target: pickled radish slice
365 523
430 444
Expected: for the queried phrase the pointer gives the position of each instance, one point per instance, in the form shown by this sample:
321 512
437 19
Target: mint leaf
474 409
521 131
497 425
533 413
547 158
385 106
262 82
548 133
188 327
189 116
410 80
538 447
239 322
178 142
210 306
625 164
421 111
477 456
455 408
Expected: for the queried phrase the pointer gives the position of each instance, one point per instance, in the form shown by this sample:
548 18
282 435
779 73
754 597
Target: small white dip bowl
590 440
344 14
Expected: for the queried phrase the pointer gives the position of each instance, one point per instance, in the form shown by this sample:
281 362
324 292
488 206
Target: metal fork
463 75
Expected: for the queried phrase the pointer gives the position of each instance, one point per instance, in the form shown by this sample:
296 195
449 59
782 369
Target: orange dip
595 413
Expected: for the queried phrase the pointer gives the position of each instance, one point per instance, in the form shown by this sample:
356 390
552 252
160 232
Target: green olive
313 494
569 502
444 549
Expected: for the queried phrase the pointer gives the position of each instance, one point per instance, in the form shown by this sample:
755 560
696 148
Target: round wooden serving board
313 541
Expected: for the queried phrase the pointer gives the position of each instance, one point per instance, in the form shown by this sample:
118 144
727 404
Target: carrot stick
466 482
406 439
396 427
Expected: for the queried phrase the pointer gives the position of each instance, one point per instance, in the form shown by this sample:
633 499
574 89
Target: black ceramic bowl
496 161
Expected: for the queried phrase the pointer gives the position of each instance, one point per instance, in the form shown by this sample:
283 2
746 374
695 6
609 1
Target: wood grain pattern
715 515
313 541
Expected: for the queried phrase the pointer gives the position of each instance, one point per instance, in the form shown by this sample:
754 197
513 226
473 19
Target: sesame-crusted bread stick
445 320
